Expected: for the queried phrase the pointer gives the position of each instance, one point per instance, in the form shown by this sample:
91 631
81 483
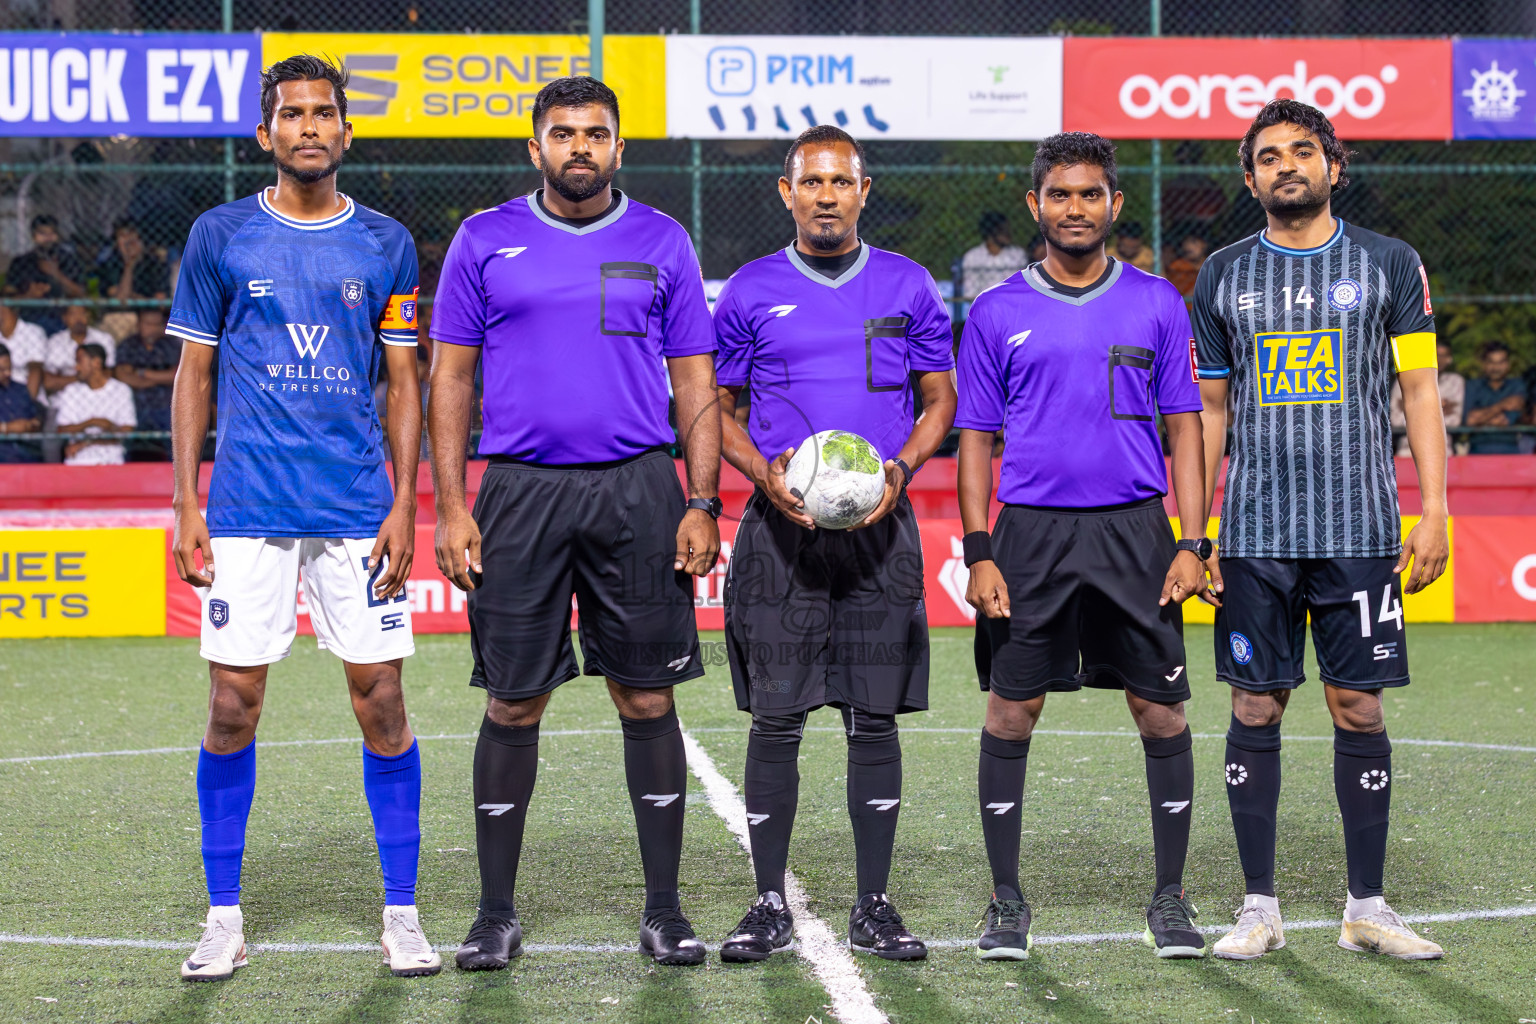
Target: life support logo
1300 368
1242 649
1344 295
218 613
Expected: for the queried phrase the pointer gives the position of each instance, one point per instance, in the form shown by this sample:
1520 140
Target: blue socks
393 788
225 785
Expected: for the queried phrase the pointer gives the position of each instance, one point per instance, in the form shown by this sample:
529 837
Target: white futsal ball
838 475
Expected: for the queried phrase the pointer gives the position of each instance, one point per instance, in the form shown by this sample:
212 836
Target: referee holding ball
581 301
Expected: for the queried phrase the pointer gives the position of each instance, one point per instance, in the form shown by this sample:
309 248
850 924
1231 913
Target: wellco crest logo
308 338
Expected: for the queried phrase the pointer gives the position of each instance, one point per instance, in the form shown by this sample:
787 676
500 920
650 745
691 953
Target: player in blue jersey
828 334
300 294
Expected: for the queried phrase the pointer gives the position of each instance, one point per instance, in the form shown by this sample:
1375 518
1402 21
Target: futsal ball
839 477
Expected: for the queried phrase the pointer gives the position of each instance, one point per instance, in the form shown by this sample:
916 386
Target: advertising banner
1496 572
1491 97
897 87
82 84
82 583
442 86
1174 88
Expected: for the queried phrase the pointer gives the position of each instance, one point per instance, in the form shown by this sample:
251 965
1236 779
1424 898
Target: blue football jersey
298 310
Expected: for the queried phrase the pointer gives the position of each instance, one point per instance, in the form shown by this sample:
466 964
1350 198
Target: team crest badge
1242 649
353 292
408 311
218 613
1344 295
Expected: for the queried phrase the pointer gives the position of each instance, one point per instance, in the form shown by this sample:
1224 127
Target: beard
1313 198
578 188
829 237
307 175
1076 250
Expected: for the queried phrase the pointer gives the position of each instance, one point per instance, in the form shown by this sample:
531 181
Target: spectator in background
146 362
1129 247
131 272
1453 396
1182 272
26 343
49 271
59 367
1495 400
993 260
19 414
1036 250
96 403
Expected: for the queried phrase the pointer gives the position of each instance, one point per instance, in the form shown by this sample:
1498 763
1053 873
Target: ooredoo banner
1176 88
1496 581
87 84
898 87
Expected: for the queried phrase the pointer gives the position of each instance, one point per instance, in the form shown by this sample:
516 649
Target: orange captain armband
400 312
1415 351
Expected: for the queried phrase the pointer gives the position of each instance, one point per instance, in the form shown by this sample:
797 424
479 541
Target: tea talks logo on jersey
1299 368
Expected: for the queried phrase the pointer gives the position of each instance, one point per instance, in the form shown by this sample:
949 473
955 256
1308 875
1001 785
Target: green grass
108 847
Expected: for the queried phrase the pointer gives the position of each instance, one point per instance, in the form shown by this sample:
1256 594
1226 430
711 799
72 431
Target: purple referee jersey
825 353
1076 383
575 324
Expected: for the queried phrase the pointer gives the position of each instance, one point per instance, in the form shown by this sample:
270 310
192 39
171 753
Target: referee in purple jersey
1080 582
581 302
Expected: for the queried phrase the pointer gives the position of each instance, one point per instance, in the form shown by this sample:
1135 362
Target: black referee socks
1000 782
1171 785
1362 773
506 764
772 794
874 794
1253 793
656 768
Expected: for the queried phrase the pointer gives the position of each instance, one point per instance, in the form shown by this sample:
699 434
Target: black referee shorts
608 535
1356 608
816 617
1083 586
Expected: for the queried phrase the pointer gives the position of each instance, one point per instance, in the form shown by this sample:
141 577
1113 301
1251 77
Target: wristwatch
714 506
1201 547
906 471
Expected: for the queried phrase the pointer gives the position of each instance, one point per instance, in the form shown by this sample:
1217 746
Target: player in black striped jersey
1304 324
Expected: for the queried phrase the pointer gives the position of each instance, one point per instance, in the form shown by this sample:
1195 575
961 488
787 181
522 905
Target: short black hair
5 351
1130 229
989 223
1489 348
1306 117
302 67
95 351
573 91
824 135
1068 149
125 224
45 220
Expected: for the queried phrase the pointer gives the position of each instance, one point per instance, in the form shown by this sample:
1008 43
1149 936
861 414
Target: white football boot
220 950
1377 928
406 949
1258 930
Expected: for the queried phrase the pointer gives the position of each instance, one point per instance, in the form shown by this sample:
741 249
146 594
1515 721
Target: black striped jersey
1310 340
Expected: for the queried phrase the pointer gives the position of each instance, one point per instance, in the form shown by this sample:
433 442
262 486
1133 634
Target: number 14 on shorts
1391 609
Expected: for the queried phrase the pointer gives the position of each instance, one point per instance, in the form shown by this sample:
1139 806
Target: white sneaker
406 949
1380 929
221 949
1258 932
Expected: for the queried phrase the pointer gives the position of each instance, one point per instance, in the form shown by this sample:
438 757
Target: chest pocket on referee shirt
885 353
628 293
1130 382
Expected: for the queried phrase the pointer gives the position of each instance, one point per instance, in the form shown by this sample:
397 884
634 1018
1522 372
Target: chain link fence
1467 206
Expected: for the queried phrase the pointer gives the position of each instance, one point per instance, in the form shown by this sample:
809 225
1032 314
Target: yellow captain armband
1415 351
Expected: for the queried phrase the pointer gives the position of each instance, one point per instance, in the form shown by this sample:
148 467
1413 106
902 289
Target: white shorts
250 614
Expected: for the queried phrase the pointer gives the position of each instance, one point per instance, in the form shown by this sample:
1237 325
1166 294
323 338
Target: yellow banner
441 86
82 583
1435 603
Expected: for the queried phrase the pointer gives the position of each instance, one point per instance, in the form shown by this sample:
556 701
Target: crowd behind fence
120 208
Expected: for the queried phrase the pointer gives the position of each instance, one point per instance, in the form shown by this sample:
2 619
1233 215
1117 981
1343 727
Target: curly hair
1068 149
1309 119
302 67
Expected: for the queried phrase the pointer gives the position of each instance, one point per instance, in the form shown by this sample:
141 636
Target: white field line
830 960
1126 734
1087 939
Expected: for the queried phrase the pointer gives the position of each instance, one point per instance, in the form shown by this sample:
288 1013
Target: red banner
1495 568
1173 88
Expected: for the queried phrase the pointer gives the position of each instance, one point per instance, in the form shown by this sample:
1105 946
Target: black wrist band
978 547
906 471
